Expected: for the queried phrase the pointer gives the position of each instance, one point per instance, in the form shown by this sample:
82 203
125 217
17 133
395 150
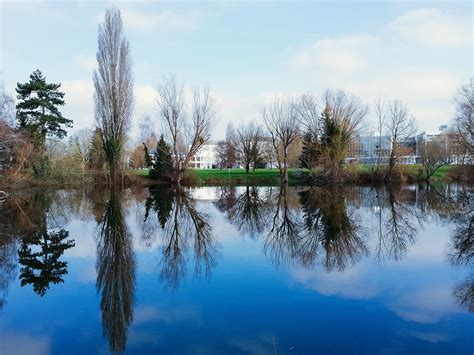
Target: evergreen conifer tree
39 256
162 167
37 109
148 161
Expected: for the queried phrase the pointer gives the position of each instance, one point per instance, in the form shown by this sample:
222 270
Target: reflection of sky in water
248 304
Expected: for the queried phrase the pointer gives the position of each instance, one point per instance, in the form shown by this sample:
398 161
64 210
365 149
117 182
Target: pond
238 270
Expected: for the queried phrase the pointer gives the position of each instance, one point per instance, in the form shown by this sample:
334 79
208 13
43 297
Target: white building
206 157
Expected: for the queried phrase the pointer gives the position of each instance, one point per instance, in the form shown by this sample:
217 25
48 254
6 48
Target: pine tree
148 161
310 152
39 256
162 166
37 109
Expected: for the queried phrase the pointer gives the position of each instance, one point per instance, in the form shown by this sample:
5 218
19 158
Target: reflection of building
205 194
205 158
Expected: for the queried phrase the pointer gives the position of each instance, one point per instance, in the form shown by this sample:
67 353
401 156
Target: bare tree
347 110
7 107
341 123
185 133
311 125
231 150
146 132
15 147
113 83
249 145
221 152
82 139
464 118
434 155
381 116
282 121
400 126
309 112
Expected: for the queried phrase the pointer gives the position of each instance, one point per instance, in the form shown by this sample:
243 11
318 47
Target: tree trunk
285 166
114 173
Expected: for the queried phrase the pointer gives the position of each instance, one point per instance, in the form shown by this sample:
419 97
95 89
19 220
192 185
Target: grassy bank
355 173
215 177
237 176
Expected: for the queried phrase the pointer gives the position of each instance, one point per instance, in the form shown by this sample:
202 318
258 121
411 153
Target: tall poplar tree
113 83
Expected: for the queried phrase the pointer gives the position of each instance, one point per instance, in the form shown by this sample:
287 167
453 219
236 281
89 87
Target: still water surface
241 270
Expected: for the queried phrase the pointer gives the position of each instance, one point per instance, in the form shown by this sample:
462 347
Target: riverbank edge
270 177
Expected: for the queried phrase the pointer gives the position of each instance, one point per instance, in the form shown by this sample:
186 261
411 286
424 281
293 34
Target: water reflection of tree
283 240
319 223
327 223
39 256
181 222
464 293
14 222
438 202
8 264
398 221
115 273
34 227
462 251
249 211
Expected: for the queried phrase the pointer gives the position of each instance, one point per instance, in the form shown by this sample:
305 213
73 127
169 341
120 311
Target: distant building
370 149
373 148
455 150
205 158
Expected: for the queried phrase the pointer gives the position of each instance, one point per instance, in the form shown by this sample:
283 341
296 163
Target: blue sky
249 51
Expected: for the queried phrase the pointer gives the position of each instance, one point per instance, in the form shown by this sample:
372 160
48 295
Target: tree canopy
38 108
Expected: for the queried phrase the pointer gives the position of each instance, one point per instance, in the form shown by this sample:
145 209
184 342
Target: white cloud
162 20
367 64
23 343
147 314
342 55
235 108
88 63
428 93
145 98
433 27
351 283
79 102
426 305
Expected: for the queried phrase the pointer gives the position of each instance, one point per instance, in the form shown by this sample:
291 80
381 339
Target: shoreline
354 175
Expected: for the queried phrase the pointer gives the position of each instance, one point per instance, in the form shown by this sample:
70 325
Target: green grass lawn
140 172
230 173
272 176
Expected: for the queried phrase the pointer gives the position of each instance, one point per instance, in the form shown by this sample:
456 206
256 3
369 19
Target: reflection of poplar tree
115 274
42 267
